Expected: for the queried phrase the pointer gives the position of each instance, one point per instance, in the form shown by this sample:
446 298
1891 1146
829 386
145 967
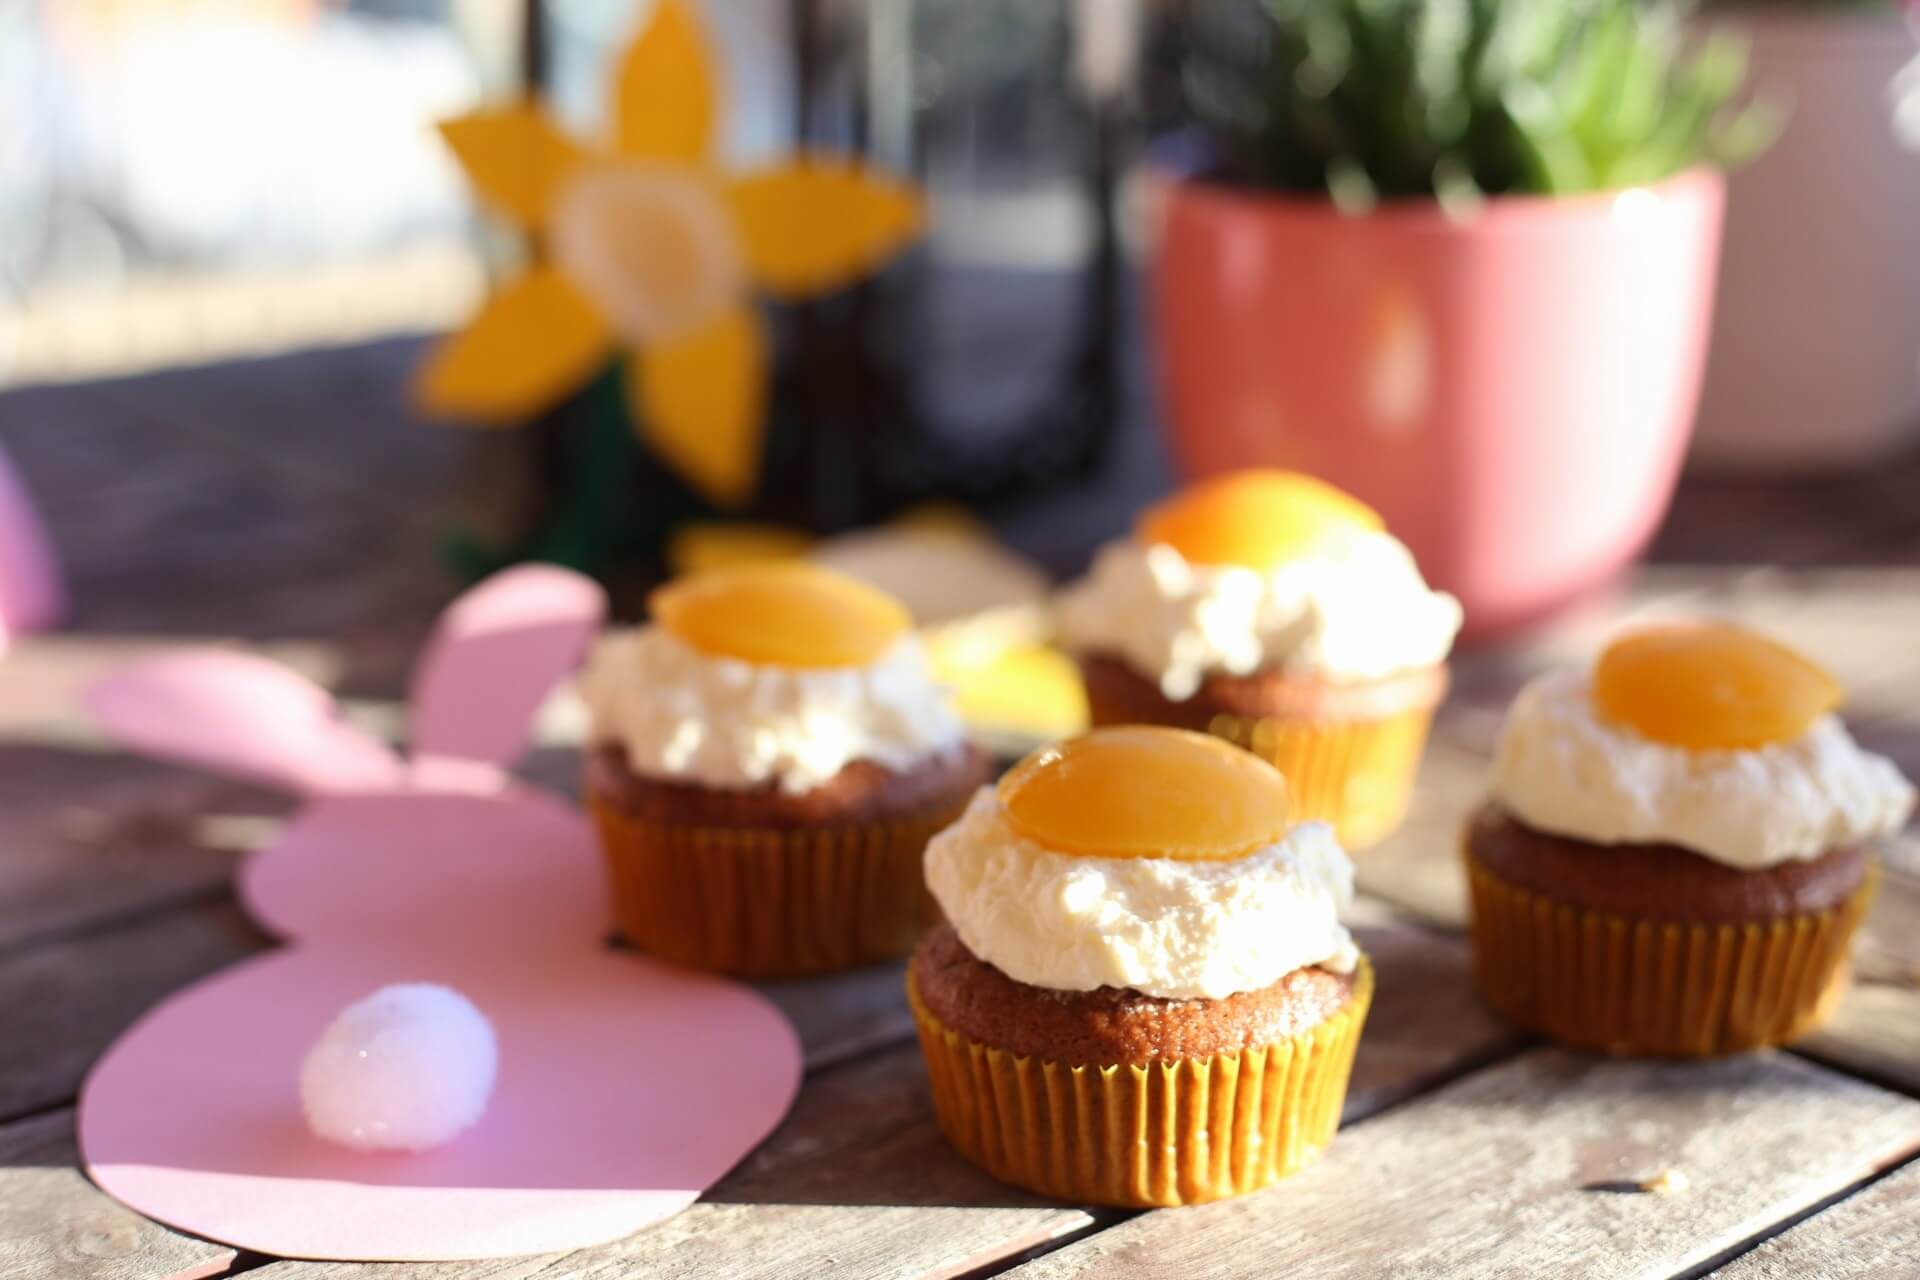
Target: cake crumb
1669 1182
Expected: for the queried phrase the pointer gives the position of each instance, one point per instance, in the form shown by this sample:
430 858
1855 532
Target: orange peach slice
784 614
1710 686
1253 518
1140 792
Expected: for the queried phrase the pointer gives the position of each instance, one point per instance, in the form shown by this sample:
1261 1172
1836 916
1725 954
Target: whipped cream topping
1354 609
690 716
1560 768
1163 926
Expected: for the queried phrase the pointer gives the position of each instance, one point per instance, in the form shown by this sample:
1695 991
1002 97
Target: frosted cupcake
767 761
1270 609
1674 856
1144 995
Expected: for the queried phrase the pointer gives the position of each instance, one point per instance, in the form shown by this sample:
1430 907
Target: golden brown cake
1145 996
1673 859
1271 610
768 759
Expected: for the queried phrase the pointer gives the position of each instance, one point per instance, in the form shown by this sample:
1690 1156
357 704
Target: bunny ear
240 714
498 651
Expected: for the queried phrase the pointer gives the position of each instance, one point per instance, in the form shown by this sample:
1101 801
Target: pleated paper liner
767 903
1625 986
1167 1133
1356 774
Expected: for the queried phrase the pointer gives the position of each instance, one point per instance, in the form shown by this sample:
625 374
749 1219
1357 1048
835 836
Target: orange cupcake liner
1626 986
1356 774
1167 1133
770 903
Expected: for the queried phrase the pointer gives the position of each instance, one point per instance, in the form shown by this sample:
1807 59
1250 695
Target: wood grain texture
847 1015
88 837
1888 948
63 1003
1517 1170
859 1182
168 532
1426 1024
1417 869
1863 515
313 414
1874 1232
856 1183
1875 1032
55 1226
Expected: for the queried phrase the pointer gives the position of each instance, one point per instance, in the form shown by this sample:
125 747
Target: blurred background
1505 270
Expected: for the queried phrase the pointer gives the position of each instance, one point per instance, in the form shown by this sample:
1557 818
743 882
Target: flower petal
533 341
701 399
514 156
701 546
664 103
821 222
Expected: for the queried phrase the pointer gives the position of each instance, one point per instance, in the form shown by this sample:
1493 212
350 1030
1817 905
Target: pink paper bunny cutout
625 1087
31 596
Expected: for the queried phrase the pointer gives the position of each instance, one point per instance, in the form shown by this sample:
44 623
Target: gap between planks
1511 1170
1874 1231
859 1179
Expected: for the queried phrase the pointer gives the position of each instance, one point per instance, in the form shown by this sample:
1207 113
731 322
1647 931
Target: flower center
653 247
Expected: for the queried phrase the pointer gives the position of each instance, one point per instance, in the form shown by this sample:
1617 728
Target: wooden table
285 505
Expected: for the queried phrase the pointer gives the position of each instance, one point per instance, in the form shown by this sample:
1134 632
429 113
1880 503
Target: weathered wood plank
53 1223
184 536
859 1183
1874 1232
1426 1024
1845 517
1417 869
1852 620
63 1003
319 413
1888 949
856 1183
845 1016
316 417
1875 1032
87 837
1520 1169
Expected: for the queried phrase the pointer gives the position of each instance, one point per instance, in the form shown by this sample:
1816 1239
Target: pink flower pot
1513 393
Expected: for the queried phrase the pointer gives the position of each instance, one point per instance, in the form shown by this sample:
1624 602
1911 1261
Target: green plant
1372 99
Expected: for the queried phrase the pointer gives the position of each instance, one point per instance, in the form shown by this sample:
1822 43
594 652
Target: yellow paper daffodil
652 247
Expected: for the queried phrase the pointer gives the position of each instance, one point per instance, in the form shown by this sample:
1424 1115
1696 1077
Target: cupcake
766 762
1674 855
1144 995
1274 611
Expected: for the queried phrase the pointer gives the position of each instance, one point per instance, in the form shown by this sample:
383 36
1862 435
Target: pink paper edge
528 626
275 886
32 592
148 705
781 1051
